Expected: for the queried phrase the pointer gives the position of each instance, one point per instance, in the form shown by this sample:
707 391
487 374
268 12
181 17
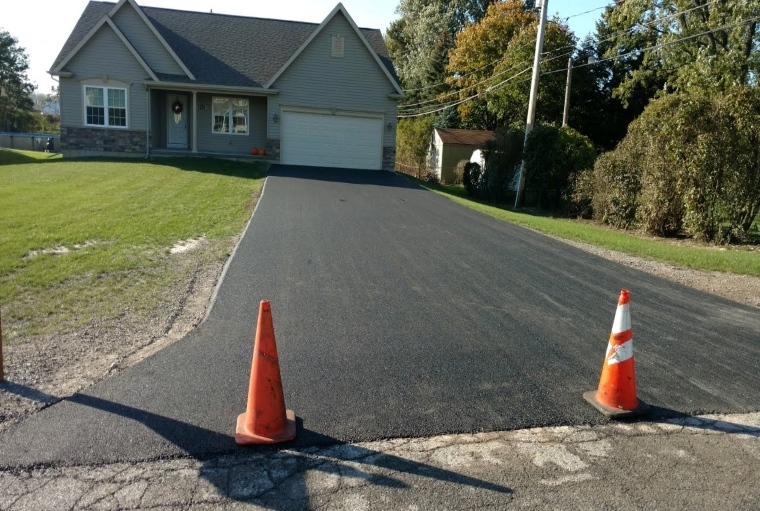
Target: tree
490 54
16 104
700 45
419 41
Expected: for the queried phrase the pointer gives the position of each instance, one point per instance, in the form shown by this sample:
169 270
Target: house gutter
201 87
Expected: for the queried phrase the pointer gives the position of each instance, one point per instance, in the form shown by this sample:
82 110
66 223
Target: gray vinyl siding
354 82
224 143
145 41
104 57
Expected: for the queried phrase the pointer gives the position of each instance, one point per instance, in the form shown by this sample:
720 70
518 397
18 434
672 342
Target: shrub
429 176
472 178
412 144
616 186
502 155
688 164
553 159
459 171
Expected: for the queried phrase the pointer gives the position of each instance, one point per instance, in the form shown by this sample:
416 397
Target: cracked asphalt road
679 463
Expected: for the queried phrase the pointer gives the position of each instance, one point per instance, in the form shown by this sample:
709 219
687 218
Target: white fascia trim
338 8
256 91
152 28
105 20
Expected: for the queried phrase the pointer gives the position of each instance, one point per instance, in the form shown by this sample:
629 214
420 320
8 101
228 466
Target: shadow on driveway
248 474
348 176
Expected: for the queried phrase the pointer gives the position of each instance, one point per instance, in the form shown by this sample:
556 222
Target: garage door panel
332 140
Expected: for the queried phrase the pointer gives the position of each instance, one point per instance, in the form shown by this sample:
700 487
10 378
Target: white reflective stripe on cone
622 319
619 353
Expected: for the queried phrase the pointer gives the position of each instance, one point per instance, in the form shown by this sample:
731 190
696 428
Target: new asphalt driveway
400 313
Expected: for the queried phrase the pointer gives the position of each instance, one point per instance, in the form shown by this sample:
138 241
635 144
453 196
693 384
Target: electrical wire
640 50
487 91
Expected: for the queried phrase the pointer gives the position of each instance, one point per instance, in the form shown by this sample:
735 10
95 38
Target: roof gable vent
338 45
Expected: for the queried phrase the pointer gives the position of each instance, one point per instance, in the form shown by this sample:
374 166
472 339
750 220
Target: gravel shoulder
46 369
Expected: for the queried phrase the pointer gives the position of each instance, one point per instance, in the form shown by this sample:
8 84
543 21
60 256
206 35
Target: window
105 106
230 116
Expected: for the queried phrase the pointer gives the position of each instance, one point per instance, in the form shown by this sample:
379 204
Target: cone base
614 413
245 437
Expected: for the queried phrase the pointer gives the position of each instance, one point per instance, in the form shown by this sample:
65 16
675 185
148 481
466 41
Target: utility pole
566 113
520 197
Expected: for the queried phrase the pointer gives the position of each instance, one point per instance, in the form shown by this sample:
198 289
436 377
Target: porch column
195 121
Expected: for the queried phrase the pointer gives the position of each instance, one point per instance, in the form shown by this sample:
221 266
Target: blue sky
43 31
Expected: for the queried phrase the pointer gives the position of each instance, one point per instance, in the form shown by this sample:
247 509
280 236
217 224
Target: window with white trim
230 115
105 106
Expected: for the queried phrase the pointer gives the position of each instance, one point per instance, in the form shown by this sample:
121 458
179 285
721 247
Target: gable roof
338 9
249 54
464 137
105 20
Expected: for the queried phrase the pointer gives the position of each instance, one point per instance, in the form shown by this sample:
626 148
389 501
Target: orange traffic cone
265 421
616 395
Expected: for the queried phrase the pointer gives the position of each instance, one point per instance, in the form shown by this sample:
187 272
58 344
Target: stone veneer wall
273 149
105 140
389 158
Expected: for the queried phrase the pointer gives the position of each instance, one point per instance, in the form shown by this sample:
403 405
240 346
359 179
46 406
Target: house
143 80
450 146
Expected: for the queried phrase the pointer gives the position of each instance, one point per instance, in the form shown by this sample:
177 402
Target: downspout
147 123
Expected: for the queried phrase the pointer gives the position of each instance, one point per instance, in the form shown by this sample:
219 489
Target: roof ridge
312 23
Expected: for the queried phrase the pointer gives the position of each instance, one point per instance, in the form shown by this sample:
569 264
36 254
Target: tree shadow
13 157
341 175
29 393
276 476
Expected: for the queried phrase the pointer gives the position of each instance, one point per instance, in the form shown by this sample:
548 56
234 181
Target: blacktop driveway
400 314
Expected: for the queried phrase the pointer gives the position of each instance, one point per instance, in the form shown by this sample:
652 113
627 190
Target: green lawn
741 260
118 221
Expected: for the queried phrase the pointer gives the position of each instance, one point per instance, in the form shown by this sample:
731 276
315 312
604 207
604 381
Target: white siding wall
145 41
354 83
104 59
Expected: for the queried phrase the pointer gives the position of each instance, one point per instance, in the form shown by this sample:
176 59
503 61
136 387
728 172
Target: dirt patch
187 245
46 369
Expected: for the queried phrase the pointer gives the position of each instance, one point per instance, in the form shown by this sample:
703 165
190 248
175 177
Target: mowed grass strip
82 240
740 260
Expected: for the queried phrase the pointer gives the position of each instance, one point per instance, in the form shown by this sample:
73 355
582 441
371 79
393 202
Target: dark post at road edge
2 371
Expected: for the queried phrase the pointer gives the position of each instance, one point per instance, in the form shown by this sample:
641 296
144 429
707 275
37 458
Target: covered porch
186 120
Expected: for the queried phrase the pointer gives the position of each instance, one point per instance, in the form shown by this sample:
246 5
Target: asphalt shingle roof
221 49
465 137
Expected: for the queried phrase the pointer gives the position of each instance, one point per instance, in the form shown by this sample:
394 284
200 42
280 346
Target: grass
740 260
118 220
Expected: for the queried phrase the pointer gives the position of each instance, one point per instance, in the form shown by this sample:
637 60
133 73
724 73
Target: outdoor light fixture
276 118
389 126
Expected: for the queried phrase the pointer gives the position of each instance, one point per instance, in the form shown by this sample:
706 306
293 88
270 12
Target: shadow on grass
204 164
12 157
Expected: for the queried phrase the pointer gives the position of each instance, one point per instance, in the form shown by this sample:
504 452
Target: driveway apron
399 313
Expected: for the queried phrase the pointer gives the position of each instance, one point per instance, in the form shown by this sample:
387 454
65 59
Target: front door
176 117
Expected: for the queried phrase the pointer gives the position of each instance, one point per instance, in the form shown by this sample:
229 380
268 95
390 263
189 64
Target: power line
488 90
640 50
456 92
586 12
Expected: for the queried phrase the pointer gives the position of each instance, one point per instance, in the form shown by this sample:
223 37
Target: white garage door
332 140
